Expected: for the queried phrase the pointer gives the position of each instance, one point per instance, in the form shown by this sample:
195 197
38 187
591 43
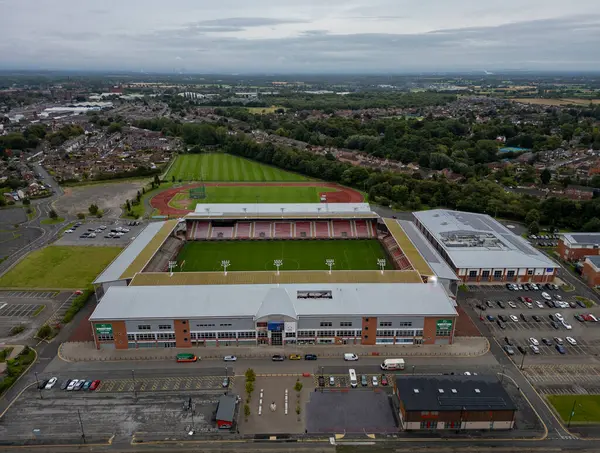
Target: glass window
104 337
385 324
405 324
144 327
346 324
165 327
472 273
326 324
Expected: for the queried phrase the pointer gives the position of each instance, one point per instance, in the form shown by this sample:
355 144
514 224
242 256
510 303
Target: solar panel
471 220
519 245
470 402
497 227
586 238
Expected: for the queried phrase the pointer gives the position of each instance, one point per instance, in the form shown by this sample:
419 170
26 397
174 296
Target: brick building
591 270
576 246
435 403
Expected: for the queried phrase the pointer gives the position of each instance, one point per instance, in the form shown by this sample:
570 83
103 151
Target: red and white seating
200 230
303 230
243 230
342 229
322 230
283 230
262 230
222 232
362 229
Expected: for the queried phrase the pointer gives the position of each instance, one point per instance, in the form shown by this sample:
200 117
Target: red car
384 380
95 384
78 292
528 299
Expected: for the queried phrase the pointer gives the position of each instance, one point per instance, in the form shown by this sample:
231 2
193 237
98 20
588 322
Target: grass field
252 194
296 255
59 267
587 407
225 167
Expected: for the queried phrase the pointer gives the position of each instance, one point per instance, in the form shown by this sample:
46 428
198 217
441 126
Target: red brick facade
591 276
575 254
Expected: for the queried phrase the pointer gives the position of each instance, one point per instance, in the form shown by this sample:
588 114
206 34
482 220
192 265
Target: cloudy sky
300 36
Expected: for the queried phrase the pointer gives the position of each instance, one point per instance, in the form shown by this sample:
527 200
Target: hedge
77 304
15 367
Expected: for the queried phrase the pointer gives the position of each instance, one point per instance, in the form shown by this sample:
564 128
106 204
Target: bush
80 215
298 386
77 304
249 388
246 410
44 332
4 353
250 375
16 330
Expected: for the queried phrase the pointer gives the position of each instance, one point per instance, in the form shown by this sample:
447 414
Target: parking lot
343 380
104 233
164 384
18 310
55 417
28 294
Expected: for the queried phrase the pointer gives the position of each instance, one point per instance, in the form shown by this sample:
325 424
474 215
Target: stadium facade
141 303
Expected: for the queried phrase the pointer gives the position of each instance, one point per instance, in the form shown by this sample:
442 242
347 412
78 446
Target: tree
52 214
127 206
80 215
26 201
45 331
592 225
534 228
157 180
249 388
298 386
545 176
250 375
246 411
93 209
533 215
173 178
138 196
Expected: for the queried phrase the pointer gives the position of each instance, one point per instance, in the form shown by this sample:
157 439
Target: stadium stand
169 250
283 230
262 230
401 262
243 230
342 229
322 230
201 231
222 232
303 230
362 229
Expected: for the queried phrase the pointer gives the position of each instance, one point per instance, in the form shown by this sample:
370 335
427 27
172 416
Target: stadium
276 274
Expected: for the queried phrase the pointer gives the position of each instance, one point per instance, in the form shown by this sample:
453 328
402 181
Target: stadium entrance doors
276 338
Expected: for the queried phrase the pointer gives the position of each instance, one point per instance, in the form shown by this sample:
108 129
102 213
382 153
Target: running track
343 195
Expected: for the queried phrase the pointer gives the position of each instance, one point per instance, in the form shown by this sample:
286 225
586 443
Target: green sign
444 324
104 329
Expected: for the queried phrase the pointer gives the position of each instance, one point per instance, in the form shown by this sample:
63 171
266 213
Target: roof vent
477 391
444 223
416 390
454 391
441 390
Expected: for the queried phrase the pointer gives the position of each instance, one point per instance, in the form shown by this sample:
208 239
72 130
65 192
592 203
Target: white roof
584 239
258 301
213 210
479 241
121 263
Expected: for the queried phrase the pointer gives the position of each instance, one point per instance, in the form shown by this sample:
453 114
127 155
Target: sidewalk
86 351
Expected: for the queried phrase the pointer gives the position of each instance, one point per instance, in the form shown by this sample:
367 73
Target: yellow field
557 101
264 110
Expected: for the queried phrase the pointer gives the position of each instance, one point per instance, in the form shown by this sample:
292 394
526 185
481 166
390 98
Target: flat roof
129 254
427 251
192 301
146 254
413 255
251 210
594 259
590 239
479 241
470 393
271 277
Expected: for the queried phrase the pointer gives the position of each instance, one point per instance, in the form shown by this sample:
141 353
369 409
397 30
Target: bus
393 364
353 381
186 358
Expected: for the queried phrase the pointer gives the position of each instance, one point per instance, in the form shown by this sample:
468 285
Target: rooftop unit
458 239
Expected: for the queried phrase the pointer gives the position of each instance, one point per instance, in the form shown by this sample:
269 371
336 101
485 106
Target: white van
353 381
392 364
350 356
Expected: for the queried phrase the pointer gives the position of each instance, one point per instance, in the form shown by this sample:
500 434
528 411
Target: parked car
580 303
509 350
513 318
500 304
86 385
571 340
566 325
534 348
374 381
508 341
230 358
510 287
65 384
559 316
546 296
383 380
51 382
536 318
225 383
321 381
522 350
331 381
528 304
489 303
554 325
42 384
547 341
534 341
79 385
501 324
72 385
277 358
511 304
539 304
295 357
363 381
310 357
528 299
561 349
552 317
523 317
579 318
95 384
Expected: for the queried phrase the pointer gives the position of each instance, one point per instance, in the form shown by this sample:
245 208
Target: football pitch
296 255
225 167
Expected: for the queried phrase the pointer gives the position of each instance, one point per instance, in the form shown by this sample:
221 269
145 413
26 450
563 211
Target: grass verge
38 311
586 408
77 304
588 303
52 221
16 367
4 353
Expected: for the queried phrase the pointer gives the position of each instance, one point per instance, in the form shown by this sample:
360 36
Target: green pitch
296 255
252 194
587 407
225 167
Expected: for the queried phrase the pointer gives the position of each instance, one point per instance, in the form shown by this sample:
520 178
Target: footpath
86 351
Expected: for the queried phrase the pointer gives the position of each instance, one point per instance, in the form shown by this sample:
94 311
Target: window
419 333
385 324
226 335
472 273
326 324
326 333
424 412
405 324
183 322
185 339
497 274
366 327
404 333
144 327
205 325
145 336
385 333
346 324
485 273
105 337
347 333
450 425
224 325
262 334
366 337
131 337
193 335
443 333
165 336
290 335
529 272
510 273
165 327
184 330
247 334
206 334
306 333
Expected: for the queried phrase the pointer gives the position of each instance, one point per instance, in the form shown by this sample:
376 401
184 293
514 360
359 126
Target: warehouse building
576 246
453 403
185 316
481 249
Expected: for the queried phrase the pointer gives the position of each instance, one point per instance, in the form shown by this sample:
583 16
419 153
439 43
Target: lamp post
225 264
413 373
172 265
381 263
134 390
278 264
523 360
330 262
38 385
81 426
572 413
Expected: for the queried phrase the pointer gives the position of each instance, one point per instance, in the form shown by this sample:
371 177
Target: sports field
225 167
59 267
252 194
586 410
296 255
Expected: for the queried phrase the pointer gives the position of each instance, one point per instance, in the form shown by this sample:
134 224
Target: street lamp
225 264
523 359
572 413
133 376
330 262
381 264
172 265
38 385
278 264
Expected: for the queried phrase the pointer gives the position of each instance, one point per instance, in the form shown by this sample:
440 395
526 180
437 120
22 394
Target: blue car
560 348
490 318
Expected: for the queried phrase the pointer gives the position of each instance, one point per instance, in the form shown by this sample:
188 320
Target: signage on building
275 326
104 329
444 324
290 326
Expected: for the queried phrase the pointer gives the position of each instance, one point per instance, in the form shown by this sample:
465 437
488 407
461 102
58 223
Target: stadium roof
413 255
271 277
281 210
469 393
583 239
121 263
184 302
427 251
479 241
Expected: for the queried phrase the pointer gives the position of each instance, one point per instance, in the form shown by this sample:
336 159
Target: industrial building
481 249
576 246
458 403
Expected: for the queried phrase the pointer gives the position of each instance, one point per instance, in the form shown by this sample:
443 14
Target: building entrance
276 338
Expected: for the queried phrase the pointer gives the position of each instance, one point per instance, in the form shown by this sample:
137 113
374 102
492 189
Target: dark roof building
453 402
226 411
